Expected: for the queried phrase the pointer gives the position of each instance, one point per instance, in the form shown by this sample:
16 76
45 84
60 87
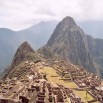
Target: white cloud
18 14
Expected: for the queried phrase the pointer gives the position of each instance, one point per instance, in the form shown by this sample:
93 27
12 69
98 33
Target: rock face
21 53
96 50
70 42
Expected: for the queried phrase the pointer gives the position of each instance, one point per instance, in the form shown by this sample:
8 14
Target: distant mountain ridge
36 35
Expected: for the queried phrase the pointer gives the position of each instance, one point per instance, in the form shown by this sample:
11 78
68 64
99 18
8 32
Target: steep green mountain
70 42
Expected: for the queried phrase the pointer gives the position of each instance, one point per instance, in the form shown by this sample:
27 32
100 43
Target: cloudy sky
19 14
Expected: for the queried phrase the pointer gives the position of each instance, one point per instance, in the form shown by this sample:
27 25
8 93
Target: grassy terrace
53 77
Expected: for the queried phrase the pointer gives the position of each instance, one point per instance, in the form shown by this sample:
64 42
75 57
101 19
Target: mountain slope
8 43
69 41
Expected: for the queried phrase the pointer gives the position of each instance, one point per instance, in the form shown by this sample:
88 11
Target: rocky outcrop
70 42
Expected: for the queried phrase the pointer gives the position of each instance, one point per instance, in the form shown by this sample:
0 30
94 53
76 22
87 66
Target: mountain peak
68 21
21 53
66 26
26 45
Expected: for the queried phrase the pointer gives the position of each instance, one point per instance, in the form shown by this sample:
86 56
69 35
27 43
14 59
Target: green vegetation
32 57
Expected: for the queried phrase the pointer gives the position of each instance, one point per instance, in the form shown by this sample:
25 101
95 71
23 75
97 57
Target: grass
82 94
51 72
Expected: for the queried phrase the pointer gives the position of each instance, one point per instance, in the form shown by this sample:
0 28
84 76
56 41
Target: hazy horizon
21 14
